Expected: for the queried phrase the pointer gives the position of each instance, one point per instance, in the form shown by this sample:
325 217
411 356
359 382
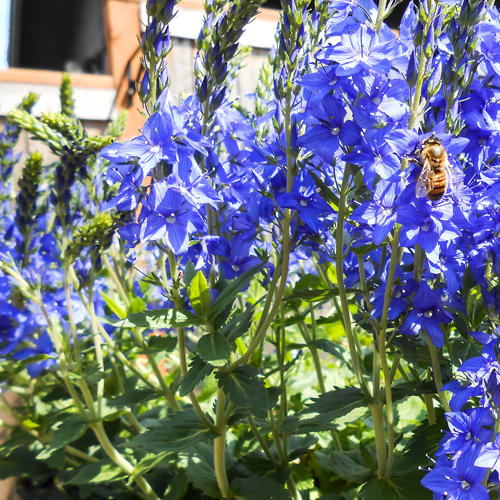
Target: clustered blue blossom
213 187
469 453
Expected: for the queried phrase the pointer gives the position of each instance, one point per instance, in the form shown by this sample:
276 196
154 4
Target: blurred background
96 42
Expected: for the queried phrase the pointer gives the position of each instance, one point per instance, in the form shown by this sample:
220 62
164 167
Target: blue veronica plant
282 302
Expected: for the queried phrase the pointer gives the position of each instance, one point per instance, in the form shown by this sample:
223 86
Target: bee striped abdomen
439 182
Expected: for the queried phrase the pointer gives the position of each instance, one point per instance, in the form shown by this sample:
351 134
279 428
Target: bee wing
424 181
454 179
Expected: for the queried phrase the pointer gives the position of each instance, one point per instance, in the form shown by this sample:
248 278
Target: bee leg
413 160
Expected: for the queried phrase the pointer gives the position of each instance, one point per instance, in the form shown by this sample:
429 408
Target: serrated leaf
134 396
199 295
239 325
68 430
178 432
103 471
198 370
231 291
337 403
213 348
347 465
245 389
259 488
407 389
158 319
159 343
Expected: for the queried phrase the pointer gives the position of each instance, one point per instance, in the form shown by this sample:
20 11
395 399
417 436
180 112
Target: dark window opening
272 4
58 35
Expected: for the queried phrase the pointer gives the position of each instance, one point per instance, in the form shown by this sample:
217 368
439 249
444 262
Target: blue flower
167 216
462 481
425 226
361 51
43 345
155 143
306 201
327 127
379 213
427 315
466 430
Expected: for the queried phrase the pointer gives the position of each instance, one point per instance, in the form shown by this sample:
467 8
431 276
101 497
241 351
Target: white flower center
336 131
303 203
387 211
155 148
428 314
235 268
171 219
465 485
376 100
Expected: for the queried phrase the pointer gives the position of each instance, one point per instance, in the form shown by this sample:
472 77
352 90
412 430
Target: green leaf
318 295
330 347
149 462
238 325
22 462
245 389
134 396
119 311
158 319
214 349
159 343
363 250
189 273
397 487
337 403
65 432
18 438
231 291
199 295
347 465
259 488
198 370
201 470
178 487
423 443
176 433
325 190
103 471
407 389
136 305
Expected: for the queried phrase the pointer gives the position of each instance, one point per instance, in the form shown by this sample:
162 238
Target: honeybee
437 174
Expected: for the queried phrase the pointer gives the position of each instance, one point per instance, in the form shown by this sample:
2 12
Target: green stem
119 287
378 425
74 334
339 260
380 15
220 446
383 354
437 373
121 461
262 443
